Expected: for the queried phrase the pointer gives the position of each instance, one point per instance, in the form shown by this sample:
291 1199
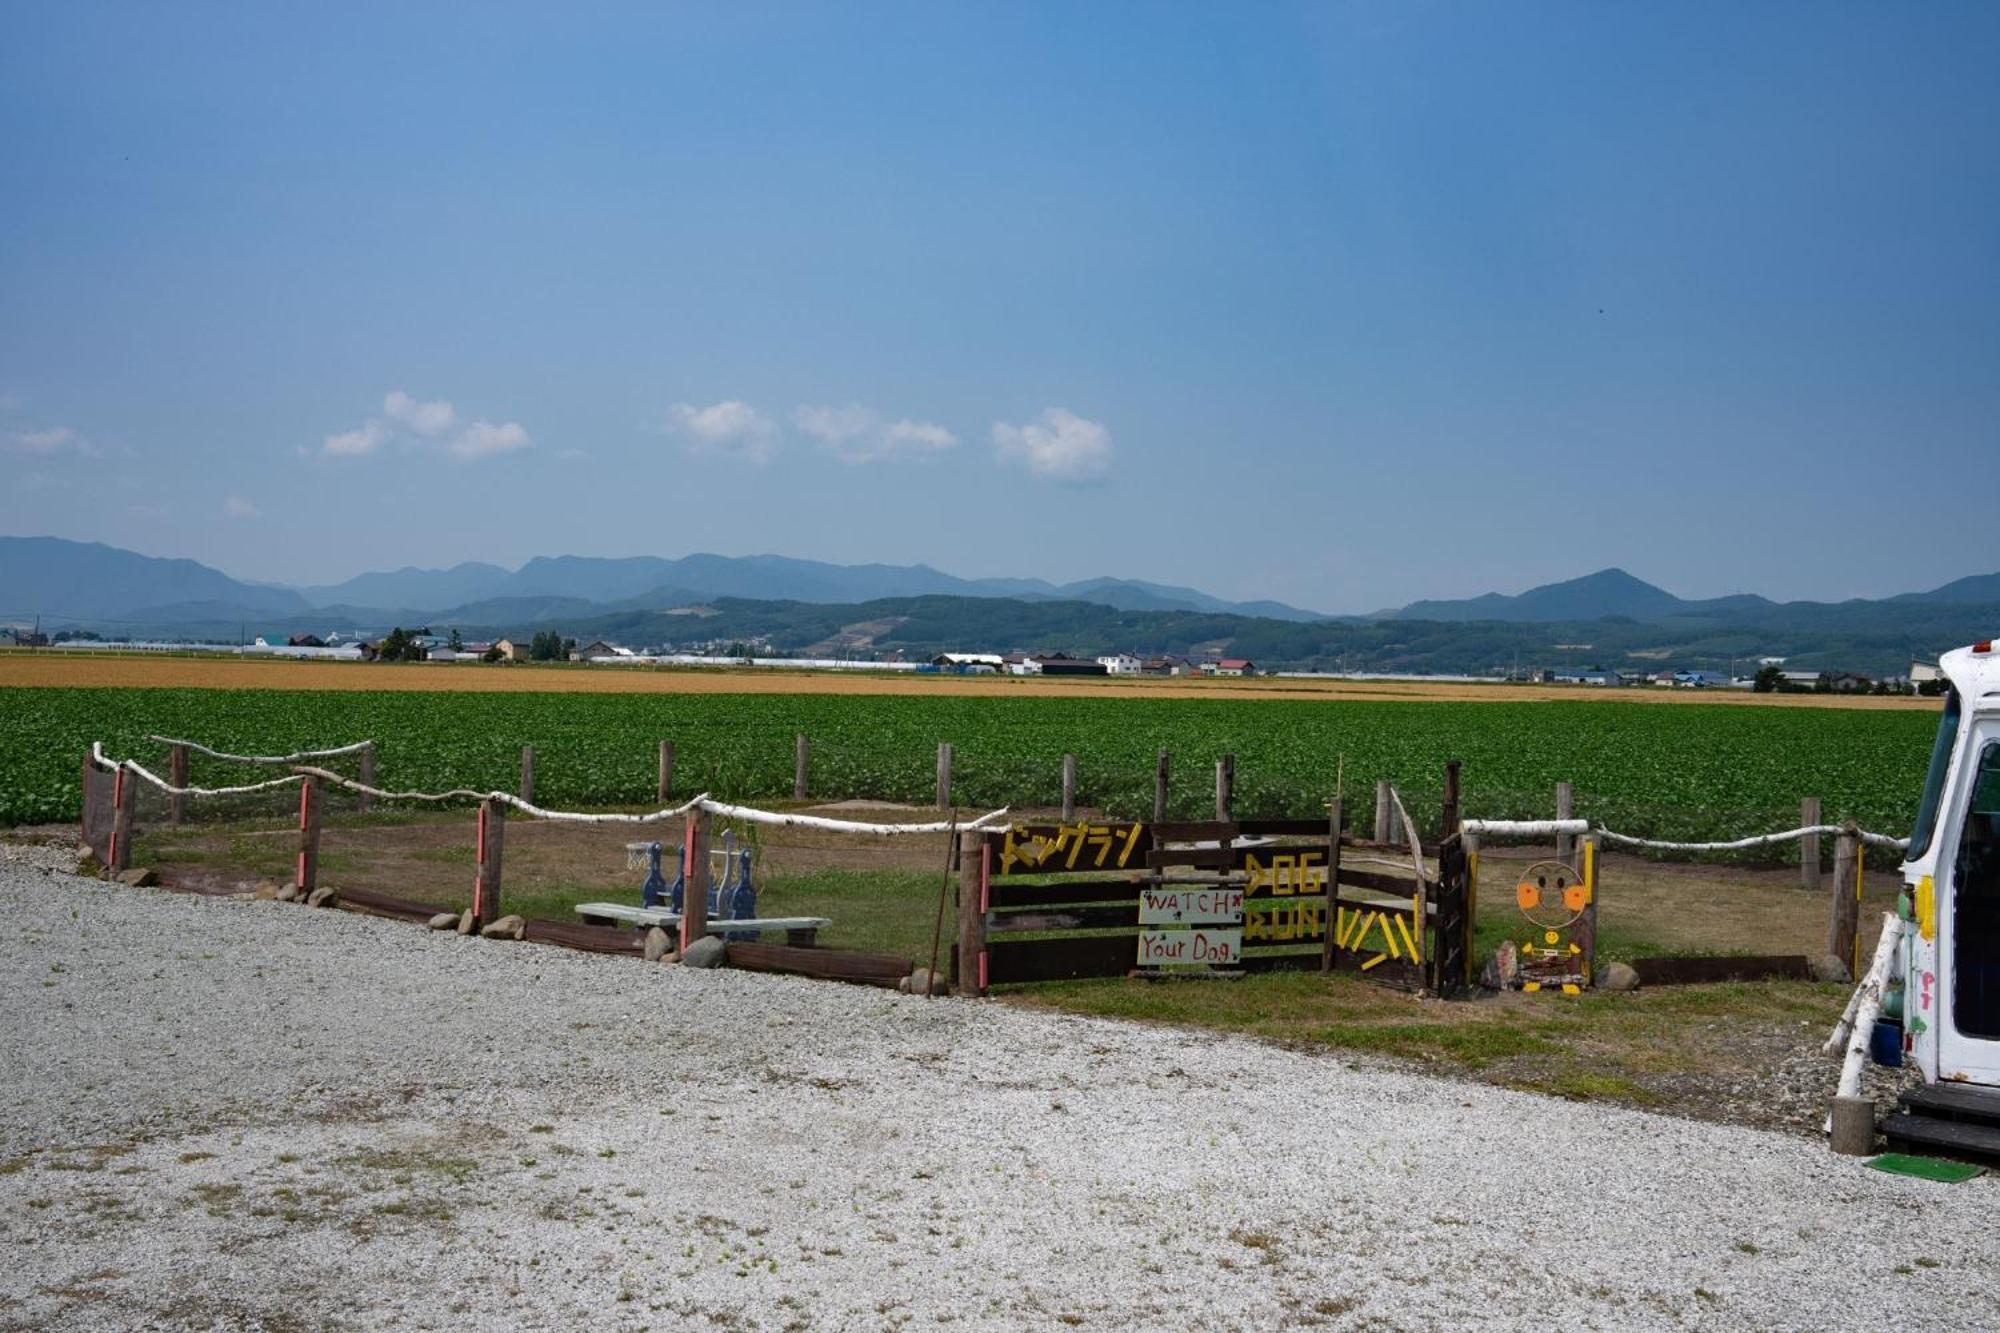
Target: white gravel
253 1115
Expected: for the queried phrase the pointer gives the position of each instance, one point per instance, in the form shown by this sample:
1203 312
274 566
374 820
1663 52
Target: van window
1927 807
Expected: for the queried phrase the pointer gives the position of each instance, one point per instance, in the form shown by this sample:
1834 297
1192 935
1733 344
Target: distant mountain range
88 580
1606 618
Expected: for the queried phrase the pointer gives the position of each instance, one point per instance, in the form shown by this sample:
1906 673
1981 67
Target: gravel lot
251 1115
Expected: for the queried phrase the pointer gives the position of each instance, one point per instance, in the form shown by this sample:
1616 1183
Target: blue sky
1339 304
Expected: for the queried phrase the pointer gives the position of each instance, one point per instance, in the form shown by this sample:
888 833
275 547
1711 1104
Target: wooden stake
1469 843
944 775
944 891
1381 830
124 816
1160 788
694 902
969 977
527 772
310 811
486 879
367 802
799 769
666 792
1069 788
1565 842
1332 881
1586 926
1225 789
177 776
1842 940
1809 845
84 829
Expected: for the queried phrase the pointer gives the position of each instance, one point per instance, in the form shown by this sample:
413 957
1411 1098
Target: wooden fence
1055 902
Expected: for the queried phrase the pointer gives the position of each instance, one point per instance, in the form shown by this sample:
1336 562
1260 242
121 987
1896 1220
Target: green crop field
1685 771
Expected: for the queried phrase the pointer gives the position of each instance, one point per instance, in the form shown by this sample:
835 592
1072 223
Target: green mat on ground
1925 1168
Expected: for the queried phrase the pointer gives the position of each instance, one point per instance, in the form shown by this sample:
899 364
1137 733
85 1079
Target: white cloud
427 419
730 429
354 443
1059 445
483 439
47 443
857 434
235 506
416 423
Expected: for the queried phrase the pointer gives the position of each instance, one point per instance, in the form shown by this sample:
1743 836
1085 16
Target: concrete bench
799 930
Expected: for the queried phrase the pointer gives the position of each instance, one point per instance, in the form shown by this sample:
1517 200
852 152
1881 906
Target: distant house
1849 682
1924 673
1019 664
1165 666
1700 680
1062 664
1230 666
970 664
598 648
1121 664
305 641
1587 676
509 650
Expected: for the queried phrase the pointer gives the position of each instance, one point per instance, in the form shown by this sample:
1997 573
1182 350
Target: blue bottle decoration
743 902
677 895
655 887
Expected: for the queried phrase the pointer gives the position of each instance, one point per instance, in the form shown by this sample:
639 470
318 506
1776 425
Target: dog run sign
1190 927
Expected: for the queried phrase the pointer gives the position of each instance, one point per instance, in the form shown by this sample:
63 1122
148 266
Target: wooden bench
799 930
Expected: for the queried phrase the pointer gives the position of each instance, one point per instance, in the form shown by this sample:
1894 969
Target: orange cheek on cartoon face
1574 898
1528 895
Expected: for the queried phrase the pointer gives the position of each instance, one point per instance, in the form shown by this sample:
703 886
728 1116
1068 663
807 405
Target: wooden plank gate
1063 901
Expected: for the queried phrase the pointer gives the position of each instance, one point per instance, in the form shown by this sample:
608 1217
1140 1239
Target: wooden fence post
1565 842
1586 926
310 810
799 769
486 880
1332 912
367 802
124 815
1842 936
944 775
969 961
177 775
666 771
1450 827
1469 844
1069 788
527 772
1160 788
1384 813
1225 789
89 790
1809 845
694 900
